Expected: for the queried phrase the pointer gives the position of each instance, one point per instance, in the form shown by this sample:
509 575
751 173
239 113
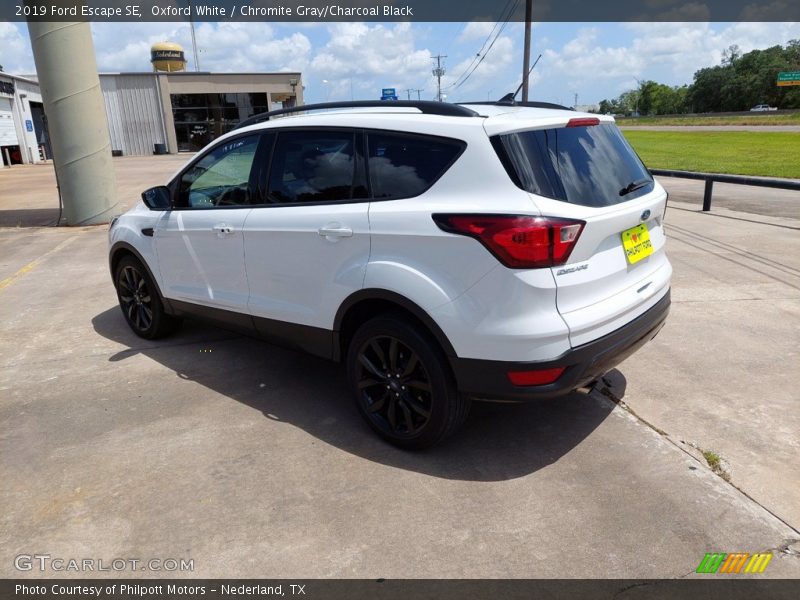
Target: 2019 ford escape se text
443 252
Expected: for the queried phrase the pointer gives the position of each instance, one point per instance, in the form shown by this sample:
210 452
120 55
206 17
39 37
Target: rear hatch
585 170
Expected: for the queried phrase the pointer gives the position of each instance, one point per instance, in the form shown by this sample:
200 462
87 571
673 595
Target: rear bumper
488 379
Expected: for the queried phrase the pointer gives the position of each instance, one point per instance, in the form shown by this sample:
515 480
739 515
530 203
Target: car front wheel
140 302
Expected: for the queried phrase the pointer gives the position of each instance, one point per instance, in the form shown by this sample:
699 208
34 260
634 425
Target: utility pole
526 59
409 94
576 100
438 72
194 41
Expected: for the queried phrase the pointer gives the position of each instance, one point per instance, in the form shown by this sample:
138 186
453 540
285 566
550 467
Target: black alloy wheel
395 387
135 298
402 383
140 301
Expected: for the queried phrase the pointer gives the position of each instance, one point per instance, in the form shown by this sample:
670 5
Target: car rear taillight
537 377
583 122
519 242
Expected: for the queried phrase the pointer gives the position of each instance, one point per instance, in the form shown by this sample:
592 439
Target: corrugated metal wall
133 107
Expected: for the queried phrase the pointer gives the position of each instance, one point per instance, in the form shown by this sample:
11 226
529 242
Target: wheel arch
370 302
121 249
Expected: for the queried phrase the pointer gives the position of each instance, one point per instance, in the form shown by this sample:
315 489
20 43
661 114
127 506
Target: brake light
519 242
538 377
583 122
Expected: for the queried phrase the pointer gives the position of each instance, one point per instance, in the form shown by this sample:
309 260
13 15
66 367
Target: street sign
28 124
789 78
389 94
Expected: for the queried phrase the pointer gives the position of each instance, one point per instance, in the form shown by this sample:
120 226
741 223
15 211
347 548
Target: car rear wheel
402 384
140 302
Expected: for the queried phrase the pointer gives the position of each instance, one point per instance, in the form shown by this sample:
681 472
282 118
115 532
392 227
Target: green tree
607 106
744 80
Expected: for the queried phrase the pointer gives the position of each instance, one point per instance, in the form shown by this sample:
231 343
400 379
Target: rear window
591 166
403 166
310 166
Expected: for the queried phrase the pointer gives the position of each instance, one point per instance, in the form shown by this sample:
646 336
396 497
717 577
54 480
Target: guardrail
710 178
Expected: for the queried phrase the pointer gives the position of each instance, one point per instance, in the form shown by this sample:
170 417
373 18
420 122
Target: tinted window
314 167
592 166
221 177
401 166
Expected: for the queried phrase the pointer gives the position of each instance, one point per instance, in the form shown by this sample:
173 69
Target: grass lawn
770 154
755 119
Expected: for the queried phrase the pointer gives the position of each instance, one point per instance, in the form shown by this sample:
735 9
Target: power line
486 41
485 54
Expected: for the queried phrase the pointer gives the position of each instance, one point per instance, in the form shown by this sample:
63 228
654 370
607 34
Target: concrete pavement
251 461
763 202
29 198
724 374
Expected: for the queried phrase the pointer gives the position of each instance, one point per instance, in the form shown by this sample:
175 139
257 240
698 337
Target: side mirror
157 198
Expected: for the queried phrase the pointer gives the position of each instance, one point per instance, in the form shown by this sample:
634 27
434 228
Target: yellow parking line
34 263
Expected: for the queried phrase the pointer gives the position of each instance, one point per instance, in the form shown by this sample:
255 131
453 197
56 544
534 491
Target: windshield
591 166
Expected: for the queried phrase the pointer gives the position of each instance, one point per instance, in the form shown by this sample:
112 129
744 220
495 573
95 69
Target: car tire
140 301
402 383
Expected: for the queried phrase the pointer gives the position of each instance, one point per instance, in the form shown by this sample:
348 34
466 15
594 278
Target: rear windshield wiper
633 186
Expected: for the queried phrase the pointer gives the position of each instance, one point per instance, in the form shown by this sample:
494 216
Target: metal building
183 111
23 138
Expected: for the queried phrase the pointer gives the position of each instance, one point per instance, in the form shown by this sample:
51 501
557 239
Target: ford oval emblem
645 215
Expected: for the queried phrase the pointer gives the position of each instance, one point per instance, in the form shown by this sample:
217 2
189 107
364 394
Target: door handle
331 231
222 229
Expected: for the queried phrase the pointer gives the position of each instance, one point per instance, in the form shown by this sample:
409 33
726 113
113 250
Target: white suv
443 252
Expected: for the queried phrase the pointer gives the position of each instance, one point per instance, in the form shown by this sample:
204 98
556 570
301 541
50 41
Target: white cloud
680 49
372 57
222 47
476 30
251 47
582 59
15 50
667 52
597 61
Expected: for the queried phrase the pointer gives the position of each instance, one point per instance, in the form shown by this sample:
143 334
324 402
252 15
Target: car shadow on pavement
498 442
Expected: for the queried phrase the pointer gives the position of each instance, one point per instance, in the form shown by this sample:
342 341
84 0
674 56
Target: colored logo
736 562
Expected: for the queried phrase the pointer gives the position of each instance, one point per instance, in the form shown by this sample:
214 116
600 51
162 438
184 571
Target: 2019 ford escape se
443 252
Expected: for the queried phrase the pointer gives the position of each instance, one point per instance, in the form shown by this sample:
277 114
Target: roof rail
523 104
427 107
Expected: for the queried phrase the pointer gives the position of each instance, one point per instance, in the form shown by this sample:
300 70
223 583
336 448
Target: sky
343 60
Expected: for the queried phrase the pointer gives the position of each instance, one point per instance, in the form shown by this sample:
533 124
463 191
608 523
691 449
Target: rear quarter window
315 166
405 165
591 166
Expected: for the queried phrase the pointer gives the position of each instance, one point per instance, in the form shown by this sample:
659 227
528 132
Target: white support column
73 103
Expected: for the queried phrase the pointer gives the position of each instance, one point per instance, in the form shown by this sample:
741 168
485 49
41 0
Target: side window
402 166
221 177
315 166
